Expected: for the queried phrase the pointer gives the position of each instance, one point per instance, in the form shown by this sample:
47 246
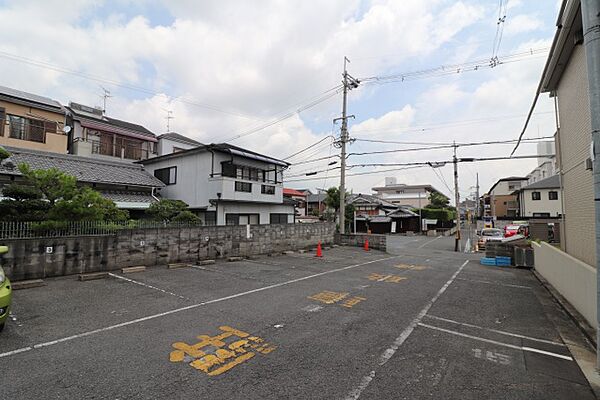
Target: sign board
393 227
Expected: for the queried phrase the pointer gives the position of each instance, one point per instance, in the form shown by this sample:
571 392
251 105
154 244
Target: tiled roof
179 138
129 197
315 198
79 115
293 192
85 169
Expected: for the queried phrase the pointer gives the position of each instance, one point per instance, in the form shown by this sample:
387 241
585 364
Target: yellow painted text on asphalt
386 278
328 297
411 267
215 355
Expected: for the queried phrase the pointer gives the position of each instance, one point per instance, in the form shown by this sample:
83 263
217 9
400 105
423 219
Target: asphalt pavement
419 322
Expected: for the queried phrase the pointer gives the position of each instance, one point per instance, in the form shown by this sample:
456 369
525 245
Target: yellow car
5 293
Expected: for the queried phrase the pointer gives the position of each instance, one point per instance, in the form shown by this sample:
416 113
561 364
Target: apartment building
416 196
225 184
94 134
30 121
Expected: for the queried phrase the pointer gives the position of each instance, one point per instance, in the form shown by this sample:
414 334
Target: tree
86 205
438 200
52 183
167 210
332 198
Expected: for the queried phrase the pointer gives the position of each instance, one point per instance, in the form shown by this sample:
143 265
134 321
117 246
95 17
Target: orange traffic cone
319 251
367 244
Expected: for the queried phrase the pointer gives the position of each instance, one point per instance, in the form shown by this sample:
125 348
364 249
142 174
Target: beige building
565 78
30 121
502 200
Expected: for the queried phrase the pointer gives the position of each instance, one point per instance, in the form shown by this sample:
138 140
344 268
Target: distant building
173 142
127 184
416 196
225 184
95 135
501 198
380 216
299 199
540 199
315 204
30 121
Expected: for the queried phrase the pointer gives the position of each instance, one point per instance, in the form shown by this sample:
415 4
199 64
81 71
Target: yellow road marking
214 355
329 297
386 278
411 267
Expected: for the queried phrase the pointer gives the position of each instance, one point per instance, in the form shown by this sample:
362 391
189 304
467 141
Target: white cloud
522 23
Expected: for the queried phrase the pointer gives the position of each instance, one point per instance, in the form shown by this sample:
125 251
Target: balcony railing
122 151
30 130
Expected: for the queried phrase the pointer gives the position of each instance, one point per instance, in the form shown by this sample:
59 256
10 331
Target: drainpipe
590 14
152 194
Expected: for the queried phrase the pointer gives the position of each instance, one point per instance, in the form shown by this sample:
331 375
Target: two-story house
502 200
540 199
30 121
416 196
225 184
93 134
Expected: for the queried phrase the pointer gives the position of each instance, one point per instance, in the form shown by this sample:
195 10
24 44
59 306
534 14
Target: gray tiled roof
85 169
315 198
129 197
79 115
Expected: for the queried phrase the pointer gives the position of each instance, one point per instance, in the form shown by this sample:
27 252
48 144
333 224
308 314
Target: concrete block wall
47 257
378 242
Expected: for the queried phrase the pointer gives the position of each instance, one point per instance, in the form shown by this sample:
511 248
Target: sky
226 68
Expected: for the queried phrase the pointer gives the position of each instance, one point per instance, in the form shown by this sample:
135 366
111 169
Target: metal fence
24 230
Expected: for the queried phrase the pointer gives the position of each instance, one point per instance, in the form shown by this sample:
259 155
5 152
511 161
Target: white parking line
494 283
390 351
190 307
496 331
511 346
147 286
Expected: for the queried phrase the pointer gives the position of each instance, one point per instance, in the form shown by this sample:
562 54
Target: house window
243 187
168 176
536 196
26 129
2 120
553 195
210 218
279 219
267 189
541 215
242 219
228 169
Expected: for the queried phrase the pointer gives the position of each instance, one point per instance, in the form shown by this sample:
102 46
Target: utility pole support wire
590 14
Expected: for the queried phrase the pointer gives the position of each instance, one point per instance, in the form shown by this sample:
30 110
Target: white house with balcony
225 184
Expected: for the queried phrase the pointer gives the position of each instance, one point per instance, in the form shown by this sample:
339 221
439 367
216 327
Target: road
419 322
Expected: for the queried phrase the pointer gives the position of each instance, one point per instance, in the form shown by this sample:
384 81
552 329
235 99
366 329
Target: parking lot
419 322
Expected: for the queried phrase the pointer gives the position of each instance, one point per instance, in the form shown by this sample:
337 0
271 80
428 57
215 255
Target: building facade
95 135
30 121
502 200
541 199
225 184
416 196
566 79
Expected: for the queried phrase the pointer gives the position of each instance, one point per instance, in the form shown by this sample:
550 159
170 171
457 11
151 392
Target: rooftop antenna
105 96
169 117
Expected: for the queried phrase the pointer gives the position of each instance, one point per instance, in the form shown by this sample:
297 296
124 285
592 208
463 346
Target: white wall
165 146
544 205
574 279
264 210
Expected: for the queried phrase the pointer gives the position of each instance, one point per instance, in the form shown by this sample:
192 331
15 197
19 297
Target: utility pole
590 14
349 83
477 199
456 200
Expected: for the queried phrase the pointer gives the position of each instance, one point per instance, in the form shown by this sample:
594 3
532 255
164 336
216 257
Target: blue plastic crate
487 261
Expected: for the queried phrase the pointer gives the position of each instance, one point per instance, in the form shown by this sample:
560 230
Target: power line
443 70
95 78
329 94
308 147
434 126
382 171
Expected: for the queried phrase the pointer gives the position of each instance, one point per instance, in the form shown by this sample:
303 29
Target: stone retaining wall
46 257
378 242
